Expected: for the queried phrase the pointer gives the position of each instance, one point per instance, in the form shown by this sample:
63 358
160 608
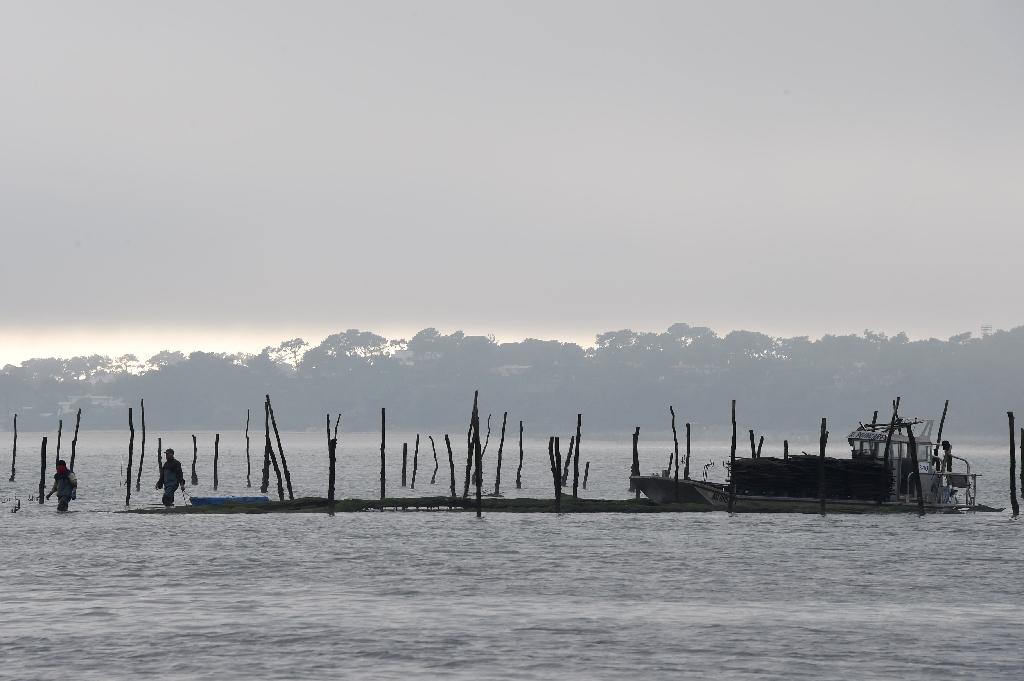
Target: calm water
98 595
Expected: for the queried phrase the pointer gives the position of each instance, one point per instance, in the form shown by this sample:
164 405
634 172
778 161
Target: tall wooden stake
785 450
912 446
586 475
558 488
519 471
478 457
753 450
268 450
568 461
433 448
823 441
332 449
675 449
216 460
451 462
1013 466
42 472
382 439
60 430
405 459
501 447
74 440
732 462
142 454
280 450
415 460
14 449
248 460
634 472
686 466
131 454
195 458
576 457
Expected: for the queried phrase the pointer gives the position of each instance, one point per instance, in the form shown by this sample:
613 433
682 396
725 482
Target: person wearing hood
171 477
65 484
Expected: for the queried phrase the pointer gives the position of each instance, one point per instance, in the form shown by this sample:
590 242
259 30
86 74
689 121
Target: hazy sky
229 174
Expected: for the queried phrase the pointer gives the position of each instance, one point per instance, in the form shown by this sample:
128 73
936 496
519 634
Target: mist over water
420 595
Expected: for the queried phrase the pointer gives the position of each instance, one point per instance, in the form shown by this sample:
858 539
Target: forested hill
627 379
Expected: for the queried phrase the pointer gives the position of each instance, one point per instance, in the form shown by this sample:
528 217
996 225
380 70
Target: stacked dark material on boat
797 476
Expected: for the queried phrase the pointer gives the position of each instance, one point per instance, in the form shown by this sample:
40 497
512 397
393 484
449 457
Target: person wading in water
65 484
171 477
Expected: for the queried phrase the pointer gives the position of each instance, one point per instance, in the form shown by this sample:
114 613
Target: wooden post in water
280 450
942 423
686 466
568 461
558 488
159 455
519 471
675 450
576 457
556 476
14 448
433 448
195 457
268 451
265 482
732 462
216 460
1013 466
501 447
415 460
405 460
142 454
634 472
478 476
785 450
42 472
131 454
469 458
248 460
74 440
451 462
332 449
586 475
753 450
382 438
760 443
912 446
823 441
60 430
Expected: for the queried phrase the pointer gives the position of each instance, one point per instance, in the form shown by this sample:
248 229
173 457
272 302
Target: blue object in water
220 501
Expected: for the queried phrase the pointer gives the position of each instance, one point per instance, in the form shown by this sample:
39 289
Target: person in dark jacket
171 477
65 485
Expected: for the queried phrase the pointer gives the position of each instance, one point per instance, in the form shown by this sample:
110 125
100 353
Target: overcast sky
223 175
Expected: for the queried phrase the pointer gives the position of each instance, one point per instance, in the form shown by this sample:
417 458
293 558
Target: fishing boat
880 476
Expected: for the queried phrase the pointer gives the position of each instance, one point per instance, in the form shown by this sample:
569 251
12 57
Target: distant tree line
626 379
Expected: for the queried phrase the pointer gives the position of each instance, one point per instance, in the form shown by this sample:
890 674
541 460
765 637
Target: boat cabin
938 486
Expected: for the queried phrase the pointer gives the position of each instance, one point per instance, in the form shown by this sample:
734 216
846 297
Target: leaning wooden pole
942 423
60 432
142 453
823 441
131 454
248 460
469 459
405 461
383 433
576 457
265 481
1013 467
479 467
519 470
586 475
451 462
280 450
14 449
268 450
42 472
415 461
675 449
501 448
74 440
732 462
